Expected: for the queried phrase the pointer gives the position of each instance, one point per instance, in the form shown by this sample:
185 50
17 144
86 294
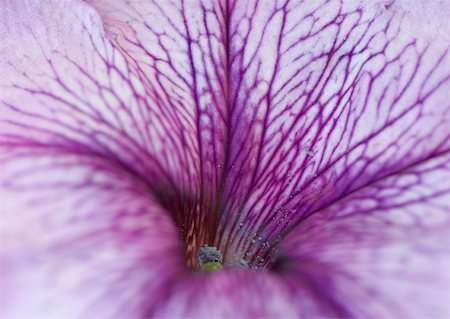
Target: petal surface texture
80 235
306 139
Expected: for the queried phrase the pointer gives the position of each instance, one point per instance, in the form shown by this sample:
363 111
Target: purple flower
305 143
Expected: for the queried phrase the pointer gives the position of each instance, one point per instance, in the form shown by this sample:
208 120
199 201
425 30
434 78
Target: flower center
210 245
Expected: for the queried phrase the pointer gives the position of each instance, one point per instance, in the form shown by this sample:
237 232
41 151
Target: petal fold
82 232
80 238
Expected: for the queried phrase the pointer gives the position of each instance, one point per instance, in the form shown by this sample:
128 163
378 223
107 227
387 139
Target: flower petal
230 294
311 105
80 234
80 238
326 99
70 88
382 252
179 49
314 101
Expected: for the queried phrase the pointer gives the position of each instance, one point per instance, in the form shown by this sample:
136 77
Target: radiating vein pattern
325 100
307 139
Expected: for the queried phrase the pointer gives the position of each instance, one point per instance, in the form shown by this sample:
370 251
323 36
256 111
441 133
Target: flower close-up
224 159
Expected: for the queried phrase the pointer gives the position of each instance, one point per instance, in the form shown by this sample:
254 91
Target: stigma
209 258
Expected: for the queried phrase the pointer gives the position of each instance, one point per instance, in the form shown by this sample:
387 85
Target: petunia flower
297 150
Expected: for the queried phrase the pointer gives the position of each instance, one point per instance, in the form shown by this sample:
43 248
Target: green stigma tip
211 266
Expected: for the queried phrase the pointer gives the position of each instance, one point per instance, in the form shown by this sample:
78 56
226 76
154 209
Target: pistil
209 258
